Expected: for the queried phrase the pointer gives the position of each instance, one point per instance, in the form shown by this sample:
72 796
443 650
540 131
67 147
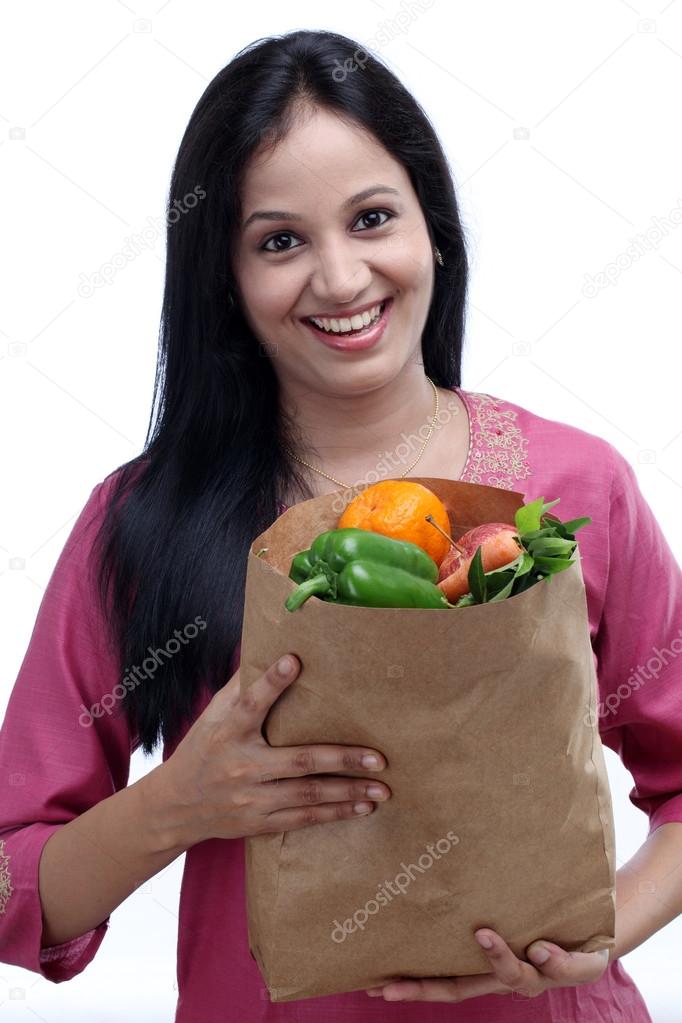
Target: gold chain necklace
346 485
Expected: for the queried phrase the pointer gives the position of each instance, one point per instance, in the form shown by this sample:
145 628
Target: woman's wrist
649 889
169 824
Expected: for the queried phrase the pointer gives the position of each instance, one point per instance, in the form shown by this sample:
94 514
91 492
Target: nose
339 276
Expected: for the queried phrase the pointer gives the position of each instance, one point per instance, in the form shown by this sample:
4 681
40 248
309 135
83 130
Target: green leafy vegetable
548 546
477 578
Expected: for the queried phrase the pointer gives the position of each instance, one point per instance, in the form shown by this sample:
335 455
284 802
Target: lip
352 344
346 314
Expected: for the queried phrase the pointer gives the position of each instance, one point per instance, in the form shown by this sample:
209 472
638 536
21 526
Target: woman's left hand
510 975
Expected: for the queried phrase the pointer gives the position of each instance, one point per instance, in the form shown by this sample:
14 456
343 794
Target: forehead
322 159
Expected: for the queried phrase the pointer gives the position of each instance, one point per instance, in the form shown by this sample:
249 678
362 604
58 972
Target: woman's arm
93 863
649 889
638 646
75 838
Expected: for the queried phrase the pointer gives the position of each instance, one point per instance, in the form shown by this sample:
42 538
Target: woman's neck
377 436
341 428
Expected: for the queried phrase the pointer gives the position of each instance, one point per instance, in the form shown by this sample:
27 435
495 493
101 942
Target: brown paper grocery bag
500 814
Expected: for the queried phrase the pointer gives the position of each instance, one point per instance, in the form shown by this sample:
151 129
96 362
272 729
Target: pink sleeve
638 646
56 761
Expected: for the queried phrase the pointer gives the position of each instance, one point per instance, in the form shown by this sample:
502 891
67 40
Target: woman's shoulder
88 521
116 482
507 432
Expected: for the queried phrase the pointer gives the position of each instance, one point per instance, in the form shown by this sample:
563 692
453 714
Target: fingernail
284 666
369 760
538 955
362 807
484 940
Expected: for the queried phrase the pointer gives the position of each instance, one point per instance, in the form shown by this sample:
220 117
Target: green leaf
505 568
533 534
527 517
476 577
497 581
527 562
524 582
503 593
518 567
551 546
551 505
550 566
574 525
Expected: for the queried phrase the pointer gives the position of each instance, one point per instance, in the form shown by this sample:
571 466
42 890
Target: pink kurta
54 767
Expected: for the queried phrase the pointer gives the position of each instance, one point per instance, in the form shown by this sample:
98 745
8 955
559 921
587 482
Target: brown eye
374 213
278 237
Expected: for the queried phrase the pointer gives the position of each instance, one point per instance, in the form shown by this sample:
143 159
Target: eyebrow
348 204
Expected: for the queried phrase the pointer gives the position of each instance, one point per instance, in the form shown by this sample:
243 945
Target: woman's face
328 257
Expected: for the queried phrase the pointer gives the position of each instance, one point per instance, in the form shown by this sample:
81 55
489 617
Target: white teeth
345 325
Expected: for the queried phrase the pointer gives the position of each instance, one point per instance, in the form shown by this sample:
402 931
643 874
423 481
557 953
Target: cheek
416 284
272 293
266 301
411 266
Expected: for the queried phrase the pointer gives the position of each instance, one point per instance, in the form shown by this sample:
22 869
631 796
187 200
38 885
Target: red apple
499 548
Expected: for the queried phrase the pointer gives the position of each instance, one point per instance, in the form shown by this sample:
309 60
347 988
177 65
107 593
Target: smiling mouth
343 326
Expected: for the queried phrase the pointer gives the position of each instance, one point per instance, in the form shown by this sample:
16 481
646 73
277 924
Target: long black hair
173 544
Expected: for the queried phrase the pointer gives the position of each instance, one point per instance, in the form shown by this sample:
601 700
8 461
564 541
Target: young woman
309 184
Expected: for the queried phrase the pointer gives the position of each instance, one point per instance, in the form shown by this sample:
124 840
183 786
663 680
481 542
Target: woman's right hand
225 781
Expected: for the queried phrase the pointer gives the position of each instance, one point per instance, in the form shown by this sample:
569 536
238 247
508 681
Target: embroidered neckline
6 888
498 450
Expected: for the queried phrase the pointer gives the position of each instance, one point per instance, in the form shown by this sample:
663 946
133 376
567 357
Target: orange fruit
398 508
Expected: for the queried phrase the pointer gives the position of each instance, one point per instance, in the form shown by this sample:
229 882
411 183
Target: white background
561 123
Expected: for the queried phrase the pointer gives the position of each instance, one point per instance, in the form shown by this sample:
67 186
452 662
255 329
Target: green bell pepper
336 547
301 567
358 566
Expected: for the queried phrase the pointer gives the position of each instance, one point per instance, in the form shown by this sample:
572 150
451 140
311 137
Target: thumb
540 952
555 962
